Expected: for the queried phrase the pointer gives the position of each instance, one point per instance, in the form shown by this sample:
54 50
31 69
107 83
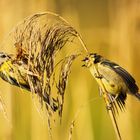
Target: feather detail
127 78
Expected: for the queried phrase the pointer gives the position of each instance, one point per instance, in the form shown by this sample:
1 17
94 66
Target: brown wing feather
127 78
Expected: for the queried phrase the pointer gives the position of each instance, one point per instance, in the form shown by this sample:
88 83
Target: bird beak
86 58
83 65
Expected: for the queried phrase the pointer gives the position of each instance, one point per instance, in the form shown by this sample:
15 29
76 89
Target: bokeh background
109 27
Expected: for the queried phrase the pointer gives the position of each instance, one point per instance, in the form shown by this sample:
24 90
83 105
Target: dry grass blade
71 129
63 77
3 108
38 41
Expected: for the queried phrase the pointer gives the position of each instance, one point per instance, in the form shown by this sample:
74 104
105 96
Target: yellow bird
116 80
16 73
12 72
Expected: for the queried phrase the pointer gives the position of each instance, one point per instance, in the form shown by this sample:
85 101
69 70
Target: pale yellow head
3 57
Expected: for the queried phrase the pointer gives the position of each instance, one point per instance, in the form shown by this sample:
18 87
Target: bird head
91 58
4 57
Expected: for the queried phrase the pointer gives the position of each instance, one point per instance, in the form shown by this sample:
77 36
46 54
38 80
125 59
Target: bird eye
3 56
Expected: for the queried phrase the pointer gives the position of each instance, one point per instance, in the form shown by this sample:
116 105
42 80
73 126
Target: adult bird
116 80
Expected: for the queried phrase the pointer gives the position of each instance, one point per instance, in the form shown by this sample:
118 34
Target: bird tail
137 95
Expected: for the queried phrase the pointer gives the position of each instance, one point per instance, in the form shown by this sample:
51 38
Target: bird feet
109 107
98 76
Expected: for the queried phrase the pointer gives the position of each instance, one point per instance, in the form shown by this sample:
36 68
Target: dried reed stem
106 99
82 42
112 117
3 109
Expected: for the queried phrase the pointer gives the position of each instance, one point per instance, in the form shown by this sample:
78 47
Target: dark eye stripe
3 56
86 58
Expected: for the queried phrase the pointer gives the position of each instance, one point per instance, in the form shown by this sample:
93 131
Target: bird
116 80
11 72
16 73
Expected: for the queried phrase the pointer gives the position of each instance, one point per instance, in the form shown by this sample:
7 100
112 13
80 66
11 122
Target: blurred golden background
109 27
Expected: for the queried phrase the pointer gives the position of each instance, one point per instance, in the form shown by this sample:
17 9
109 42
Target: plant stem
112 117
82 42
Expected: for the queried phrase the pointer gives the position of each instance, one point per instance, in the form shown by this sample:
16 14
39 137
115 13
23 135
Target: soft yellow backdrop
109 27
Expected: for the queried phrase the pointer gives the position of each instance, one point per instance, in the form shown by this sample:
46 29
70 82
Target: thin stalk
106 99
82 43
112 117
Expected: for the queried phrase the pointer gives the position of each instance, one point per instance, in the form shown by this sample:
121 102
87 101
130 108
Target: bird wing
127 78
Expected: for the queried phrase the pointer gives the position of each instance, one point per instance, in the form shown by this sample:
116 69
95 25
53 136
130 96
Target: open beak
83 65
84 60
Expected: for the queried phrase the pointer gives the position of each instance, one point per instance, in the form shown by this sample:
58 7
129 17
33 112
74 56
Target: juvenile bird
16 73
116 80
